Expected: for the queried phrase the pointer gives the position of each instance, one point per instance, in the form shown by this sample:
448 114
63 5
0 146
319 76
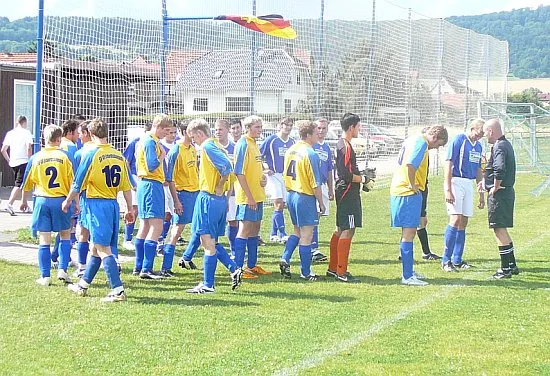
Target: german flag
272 24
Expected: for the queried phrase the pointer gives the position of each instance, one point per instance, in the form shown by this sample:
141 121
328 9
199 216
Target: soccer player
50 172
130 155
19 143
70 136
236 130
273 151
303 182
150 196
167 144
462 165
183 177
211 207
408 181
499 179
103 172
349 214
249 197
327 182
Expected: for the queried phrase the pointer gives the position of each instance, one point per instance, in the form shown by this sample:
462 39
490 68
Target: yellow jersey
50 172
148 164
103 172
215 164
301 169
248 162
413 152
182 167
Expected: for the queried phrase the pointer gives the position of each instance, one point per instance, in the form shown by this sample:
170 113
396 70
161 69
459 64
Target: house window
132 90
298 79
200 104
238 104
288 106
218 73
23 102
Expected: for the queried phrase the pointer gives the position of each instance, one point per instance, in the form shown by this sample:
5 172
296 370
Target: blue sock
64 254
150 251
224 258
129 232
450 240
114 250
315 239
458 249
82 249
44 260
140 252
165 229
210 263
55 251
407 258
305 259
252 245
232 235
280 221
290 246
240 249
111 269
168 258
274 227
73 238
194 244
91 269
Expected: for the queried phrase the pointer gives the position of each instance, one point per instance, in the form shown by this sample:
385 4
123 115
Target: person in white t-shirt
19 143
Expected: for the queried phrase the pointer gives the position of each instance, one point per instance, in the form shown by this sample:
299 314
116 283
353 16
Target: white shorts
168 200
463 190
232 209
275 187
134 191
326 202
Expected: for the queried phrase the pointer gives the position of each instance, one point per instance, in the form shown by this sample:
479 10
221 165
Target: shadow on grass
302 296
193 300
18 245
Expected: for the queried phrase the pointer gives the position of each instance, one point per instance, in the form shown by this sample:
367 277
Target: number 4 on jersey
291 170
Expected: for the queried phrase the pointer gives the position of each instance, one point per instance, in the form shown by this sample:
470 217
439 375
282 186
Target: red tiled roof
17 57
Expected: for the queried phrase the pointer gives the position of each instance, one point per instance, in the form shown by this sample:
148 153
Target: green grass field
461 323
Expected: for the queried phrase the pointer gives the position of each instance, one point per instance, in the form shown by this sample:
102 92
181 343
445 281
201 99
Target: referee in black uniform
499 179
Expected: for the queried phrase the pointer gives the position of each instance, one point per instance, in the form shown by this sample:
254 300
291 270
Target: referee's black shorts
501 208
424 202
349 213
19 172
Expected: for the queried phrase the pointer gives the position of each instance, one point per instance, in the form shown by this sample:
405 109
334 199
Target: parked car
362 146
392 141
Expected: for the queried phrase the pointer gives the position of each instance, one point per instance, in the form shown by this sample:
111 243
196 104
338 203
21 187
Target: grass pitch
462 323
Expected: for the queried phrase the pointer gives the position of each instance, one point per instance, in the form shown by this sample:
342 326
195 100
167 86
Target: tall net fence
398 70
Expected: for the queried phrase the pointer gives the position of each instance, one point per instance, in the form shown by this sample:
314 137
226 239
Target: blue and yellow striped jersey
414 152
248 162
301 172
182 167
50 172
104 172
148 164
215 164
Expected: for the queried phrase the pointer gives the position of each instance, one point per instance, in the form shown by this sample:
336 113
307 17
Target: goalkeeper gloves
368 176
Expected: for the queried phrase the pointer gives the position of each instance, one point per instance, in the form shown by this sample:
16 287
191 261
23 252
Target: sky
343 9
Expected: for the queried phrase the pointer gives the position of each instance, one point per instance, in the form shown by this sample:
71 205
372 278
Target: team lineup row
229 189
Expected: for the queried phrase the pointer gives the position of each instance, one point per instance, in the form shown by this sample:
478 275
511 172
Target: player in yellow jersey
50 173
249 197
302 179
408 182
183 178
103 172
211 206
150 196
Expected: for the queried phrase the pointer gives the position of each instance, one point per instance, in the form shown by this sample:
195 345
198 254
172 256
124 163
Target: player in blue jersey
167 143
130 155
273 151
150 156
462 166
211 206
80 119
409 179
103 173
303 182
50 173
327 182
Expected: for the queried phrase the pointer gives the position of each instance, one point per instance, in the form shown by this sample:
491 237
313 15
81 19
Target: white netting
400 73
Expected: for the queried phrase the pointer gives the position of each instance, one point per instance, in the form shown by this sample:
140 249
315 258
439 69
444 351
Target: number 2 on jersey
52 173
112 175
291 170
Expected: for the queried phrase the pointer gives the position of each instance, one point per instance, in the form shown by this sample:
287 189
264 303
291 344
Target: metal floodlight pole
468 55
163 55
38 92
369 99
253 65
320 58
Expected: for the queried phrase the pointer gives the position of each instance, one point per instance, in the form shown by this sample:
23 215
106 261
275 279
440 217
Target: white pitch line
344 346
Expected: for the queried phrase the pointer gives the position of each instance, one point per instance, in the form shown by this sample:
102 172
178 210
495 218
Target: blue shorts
209 215
244 213
187 200
47 215
405 210
150 197
103 216
302 209
82 216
